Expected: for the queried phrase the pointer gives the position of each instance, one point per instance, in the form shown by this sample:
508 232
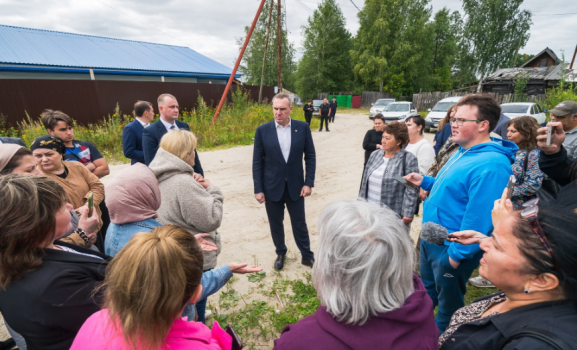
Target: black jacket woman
531 259
46 286
373 137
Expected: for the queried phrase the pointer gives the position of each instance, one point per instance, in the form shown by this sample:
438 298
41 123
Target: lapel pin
296 130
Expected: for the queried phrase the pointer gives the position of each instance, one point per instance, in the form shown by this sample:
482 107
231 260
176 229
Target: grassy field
235 126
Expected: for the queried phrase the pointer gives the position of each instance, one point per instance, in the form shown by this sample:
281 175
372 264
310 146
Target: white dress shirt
144 125
284 138
168 126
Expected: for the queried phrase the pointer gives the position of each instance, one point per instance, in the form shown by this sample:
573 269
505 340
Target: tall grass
235 126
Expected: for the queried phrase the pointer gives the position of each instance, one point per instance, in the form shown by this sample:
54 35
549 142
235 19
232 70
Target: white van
439 112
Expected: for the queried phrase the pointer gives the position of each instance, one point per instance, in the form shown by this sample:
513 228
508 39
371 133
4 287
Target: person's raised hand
306 191
557 138
501 208
205 245
415 178
466 237
260 198
197 176
243 268
88 224
204 182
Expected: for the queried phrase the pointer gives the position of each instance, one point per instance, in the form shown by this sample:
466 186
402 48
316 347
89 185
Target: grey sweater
186 203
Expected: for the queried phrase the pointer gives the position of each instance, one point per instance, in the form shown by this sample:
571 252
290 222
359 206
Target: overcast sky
211 27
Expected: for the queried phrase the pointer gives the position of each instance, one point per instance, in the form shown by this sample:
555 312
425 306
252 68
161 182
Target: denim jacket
117 236
212 281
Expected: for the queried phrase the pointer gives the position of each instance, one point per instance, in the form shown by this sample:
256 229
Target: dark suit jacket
151 139
14 140
132 142
270 172
49 305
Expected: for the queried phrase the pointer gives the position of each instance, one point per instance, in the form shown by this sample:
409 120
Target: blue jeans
117 236
445 285
212 281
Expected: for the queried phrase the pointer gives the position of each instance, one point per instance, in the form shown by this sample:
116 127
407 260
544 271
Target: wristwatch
82 235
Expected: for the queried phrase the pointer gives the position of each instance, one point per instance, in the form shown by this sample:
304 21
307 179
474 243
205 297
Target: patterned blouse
531 183
471 312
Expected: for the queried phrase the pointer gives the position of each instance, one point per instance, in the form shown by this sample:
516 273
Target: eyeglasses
530 213
461 121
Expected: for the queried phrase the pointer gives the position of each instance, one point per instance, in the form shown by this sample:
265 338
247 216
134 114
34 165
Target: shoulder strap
545 336
525 165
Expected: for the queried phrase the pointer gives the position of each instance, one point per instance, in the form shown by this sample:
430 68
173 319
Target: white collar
168 125
276 124
142 123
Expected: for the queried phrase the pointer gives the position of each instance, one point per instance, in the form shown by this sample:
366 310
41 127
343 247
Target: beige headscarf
7 151
133 195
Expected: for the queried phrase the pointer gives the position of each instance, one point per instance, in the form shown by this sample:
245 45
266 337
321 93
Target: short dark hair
140 107
417 119
399 131
14 162
379 116
50 118
526 126
487 108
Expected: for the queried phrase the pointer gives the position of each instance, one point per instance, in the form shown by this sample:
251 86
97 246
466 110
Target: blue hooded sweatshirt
463 193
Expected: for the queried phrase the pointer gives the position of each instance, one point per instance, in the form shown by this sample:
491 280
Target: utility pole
573 60
279 19
265 51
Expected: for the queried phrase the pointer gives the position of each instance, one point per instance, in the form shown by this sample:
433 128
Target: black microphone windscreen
434 233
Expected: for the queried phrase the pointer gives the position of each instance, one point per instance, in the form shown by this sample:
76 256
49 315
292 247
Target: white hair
364 261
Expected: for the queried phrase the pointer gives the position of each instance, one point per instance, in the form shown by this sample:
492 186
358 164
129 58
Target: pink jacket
97 333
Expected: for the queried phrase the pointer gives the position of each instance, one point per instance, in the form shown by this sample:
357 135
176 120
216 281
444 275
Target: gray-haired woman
370 299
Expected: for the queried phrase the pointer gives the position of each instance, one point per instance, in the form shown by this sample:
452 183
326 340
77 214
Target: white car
439 112
399 111
379 106
519 109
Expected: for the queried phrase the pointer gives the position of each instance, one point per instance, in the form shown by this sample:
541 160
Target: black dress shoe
308 263
279 262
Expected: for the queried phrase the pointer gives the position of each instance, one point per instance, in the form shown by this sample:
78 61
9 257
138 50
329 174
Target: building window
543 63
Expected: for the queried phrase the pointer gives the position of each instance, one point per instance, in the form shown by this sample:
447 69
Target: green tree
447 28
251 64
326 62
494 31
522 58
394 46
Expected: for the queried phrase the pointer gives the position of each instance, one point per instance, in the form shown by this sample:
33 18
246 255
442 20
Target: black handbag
549 188
546 337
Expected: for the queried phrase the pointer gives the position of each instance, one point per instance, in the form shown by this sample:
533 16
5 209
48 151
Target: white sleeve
425 157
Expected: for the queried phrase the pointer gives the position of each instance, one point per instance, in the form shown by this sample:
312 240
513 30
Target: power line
355 5
316 2
557 14
305 6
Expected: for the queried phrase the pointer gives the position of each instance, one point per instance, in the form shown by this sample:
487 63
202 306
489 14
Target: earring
527 291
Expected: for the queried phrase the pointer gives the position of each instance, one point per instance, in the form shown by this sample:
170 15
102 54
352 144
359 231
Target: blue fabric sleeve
428 183
483 191
213 280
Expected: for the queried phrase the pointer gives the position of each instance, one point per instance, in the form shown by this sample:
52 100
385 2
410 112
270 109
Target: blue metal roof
58 49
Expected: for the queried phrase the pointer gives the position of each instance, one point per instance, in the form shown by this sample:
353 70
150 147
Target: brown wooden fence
370 97
427 100
88 101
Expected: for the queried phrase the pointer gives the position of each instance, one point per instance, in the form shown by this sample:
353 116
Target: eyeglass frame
531 214
453 120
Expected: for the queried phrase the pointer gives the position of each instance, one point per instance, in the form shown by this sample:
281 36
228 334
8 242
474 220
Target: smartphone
236 344
450 236
90 203
405 183
510 186
549 132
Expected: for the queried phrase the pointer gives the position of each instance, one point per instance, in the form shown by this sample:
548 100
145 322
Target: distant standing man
566 113
325 112
132 133
308 108
277 172
333 110
168 109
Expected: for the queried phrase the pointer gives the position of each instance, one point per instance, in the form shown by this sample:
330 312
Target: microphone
434 233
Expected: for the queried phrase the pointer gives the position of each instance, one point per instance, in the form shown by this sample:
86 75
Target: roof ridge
91 36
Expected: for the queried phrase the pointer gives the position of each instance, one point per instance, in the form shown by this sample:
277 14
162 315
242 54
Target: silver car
379 106
399 111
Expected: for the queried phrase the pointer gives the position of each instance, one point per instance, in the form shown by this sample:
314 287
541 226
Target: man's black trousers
324 119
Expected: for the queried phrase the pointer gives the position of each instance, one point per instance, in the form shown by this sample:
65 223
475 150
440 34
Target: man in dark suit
168 109
132 133
277 171
13 140
333 110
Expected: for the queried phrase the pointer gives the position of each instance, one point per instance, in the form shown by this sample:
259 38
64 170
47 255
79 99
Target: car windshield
397 107
514 108
317 103
382 102
443 106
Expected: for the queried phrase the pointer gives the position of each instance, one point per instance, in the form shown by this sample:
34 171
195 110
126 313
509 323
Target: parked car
379 106
298 102
316 105
399 111
437 113
519 109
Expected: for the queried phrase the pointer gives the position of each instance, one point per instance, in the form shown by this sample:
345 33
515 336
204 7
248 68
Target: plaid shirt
394 195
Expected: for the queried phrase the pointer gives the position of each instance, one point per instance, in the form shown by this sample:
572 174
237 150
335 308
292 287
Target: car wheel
427 130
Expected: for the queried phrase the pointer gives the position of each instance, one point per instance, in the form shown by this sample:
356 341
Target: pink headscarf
133 195
7 151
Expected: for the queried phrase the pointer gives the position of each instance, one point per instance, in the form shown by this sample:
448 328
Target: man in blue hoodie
461 198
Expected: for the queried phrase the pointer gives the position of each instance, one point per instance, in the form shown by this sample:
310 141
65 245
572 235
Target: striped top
376 183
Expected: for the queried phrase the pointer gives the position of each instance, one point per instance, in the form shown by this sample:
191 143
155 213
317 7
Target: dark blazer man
168 109
13 140
333 105
279 178
132 133
308 109
325 112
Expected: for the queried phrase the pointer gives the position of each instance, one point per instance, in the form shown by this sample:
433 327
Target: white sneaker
481 282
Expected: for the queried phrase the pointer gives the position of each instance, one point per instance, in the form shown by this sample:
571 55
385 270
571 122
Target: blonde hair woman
188 200
147 286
